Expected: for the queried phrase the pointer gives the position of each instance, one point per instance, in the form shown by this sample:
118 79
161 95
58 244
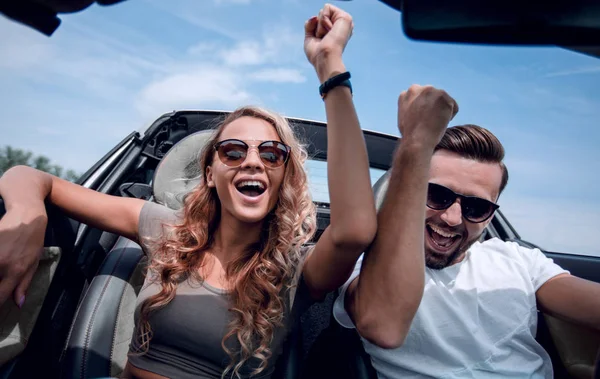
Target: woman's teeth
251 188
251 183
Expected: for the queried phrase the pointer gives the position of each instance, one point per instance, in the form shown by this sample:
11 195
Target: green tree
10 157
42 163
72 176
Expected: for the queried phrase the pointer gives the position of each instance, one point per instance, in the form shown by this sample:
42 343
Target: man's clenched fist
424 113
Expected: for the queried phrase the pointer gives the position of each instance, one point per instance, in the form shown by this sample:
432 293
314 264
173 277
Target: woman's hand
325 39
22 231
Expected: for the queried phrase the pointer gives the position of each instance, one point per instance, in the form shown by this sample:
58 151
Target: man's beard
438 261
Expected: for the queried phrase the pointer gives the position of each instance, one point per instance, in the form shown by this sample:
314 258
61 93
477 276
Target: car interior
78 319
82 323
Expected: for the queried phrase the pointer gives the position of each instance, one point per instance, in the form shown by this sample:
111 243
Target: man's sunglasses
474 209
233 152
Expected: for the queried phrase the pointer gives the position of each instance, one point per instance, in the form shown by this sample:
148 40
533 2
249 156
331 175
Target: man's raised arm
383 300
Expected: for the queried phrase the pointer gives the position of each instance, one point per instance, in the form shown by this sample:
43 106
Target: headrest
380 188
179 170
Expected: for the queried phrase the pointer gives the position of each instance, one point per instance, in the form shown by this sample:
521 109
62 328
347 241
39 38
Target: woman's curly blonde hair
261 277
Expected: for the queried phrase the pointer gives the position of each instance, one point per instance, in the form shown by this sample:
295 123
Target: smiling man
430 299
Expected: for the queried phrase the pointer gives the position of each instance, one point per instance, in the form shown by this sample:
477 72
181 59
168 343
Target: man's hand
21 242
424 113
325 39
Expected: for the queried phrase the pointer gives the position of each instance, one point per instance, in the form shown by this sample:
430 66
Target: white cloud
203 49
278 45
79 60
84 77
16 37
279 75
85 89
204 87
244 53
576 71
283 44
194 13
216 75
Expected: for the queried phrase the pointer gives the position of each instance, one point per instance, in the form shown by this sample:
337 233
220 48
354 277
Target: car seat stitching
76 316
93 317
112 345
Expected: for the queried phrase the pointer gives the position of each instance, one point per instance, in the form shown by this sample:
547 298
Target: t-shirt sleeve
540 267
155 220
339 307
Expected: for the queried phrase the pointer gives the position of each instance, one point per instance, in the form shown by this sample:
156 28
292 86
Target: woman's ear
209 177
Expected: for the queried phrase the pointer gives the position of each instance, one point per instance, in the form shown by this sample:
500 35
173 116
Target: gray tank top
187 333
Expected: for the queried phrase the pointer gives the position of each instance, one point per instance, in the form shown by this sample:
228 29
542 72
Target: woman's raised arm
353 217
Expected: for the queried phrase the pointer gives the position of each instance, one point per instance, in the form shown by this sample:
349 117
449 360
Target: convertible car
84 324
80 322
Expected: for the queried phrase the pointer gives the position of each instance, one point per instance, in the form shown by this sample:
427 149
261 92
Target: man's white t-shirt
477 318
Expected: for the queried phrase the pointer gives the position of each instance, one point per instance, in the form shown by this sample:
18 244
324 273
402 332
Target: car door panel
576 346
84 249
51 327
572 348
583 266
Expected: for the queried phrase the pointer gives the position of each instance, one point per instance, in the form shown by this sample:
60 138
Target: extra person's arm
571 298
24 191
353 219
24 187
384 298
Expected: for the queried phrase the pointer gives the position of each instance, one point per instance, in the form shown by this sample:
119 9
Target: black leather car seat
100 334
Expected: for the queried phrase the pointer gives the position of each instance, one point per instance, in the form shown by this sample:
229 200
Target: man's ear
209 177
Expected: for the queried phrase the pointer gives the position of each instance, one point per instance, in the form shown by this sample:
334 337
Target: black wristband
342 79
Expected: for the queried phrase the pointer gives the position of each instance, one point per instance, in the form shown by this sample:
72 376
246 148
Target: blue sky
110 70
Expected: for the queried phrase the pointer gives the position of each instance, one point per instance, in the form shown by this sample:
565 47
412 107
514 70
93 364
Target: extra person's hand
325 39
424 113
21 244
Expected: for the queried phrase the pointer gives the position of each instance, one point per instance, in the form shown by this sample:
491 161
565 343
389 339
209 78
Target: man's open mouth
251 188
442 239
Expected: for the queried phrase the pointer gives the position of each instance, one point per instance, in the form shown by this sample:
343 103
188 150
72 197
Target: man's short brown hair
477 143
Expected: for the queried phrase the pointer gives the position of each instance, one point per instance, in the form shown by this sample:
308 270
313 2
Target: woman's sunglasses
233 152
474 209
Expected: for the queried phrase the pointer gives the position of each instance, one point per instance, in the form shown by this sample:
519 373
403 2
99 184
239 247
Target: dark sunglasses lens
232 153
273 154
439 197
477 210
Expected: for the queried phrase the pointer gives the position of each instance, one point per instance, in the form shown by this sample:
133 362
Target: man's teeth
443 233
250 183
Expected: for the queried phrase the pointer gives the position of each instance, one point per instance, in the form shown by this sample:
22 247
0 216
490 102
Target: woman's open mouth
442 240
251 189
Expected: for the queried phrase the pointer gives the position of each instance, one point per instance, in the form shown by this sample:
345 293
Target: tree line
10 157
